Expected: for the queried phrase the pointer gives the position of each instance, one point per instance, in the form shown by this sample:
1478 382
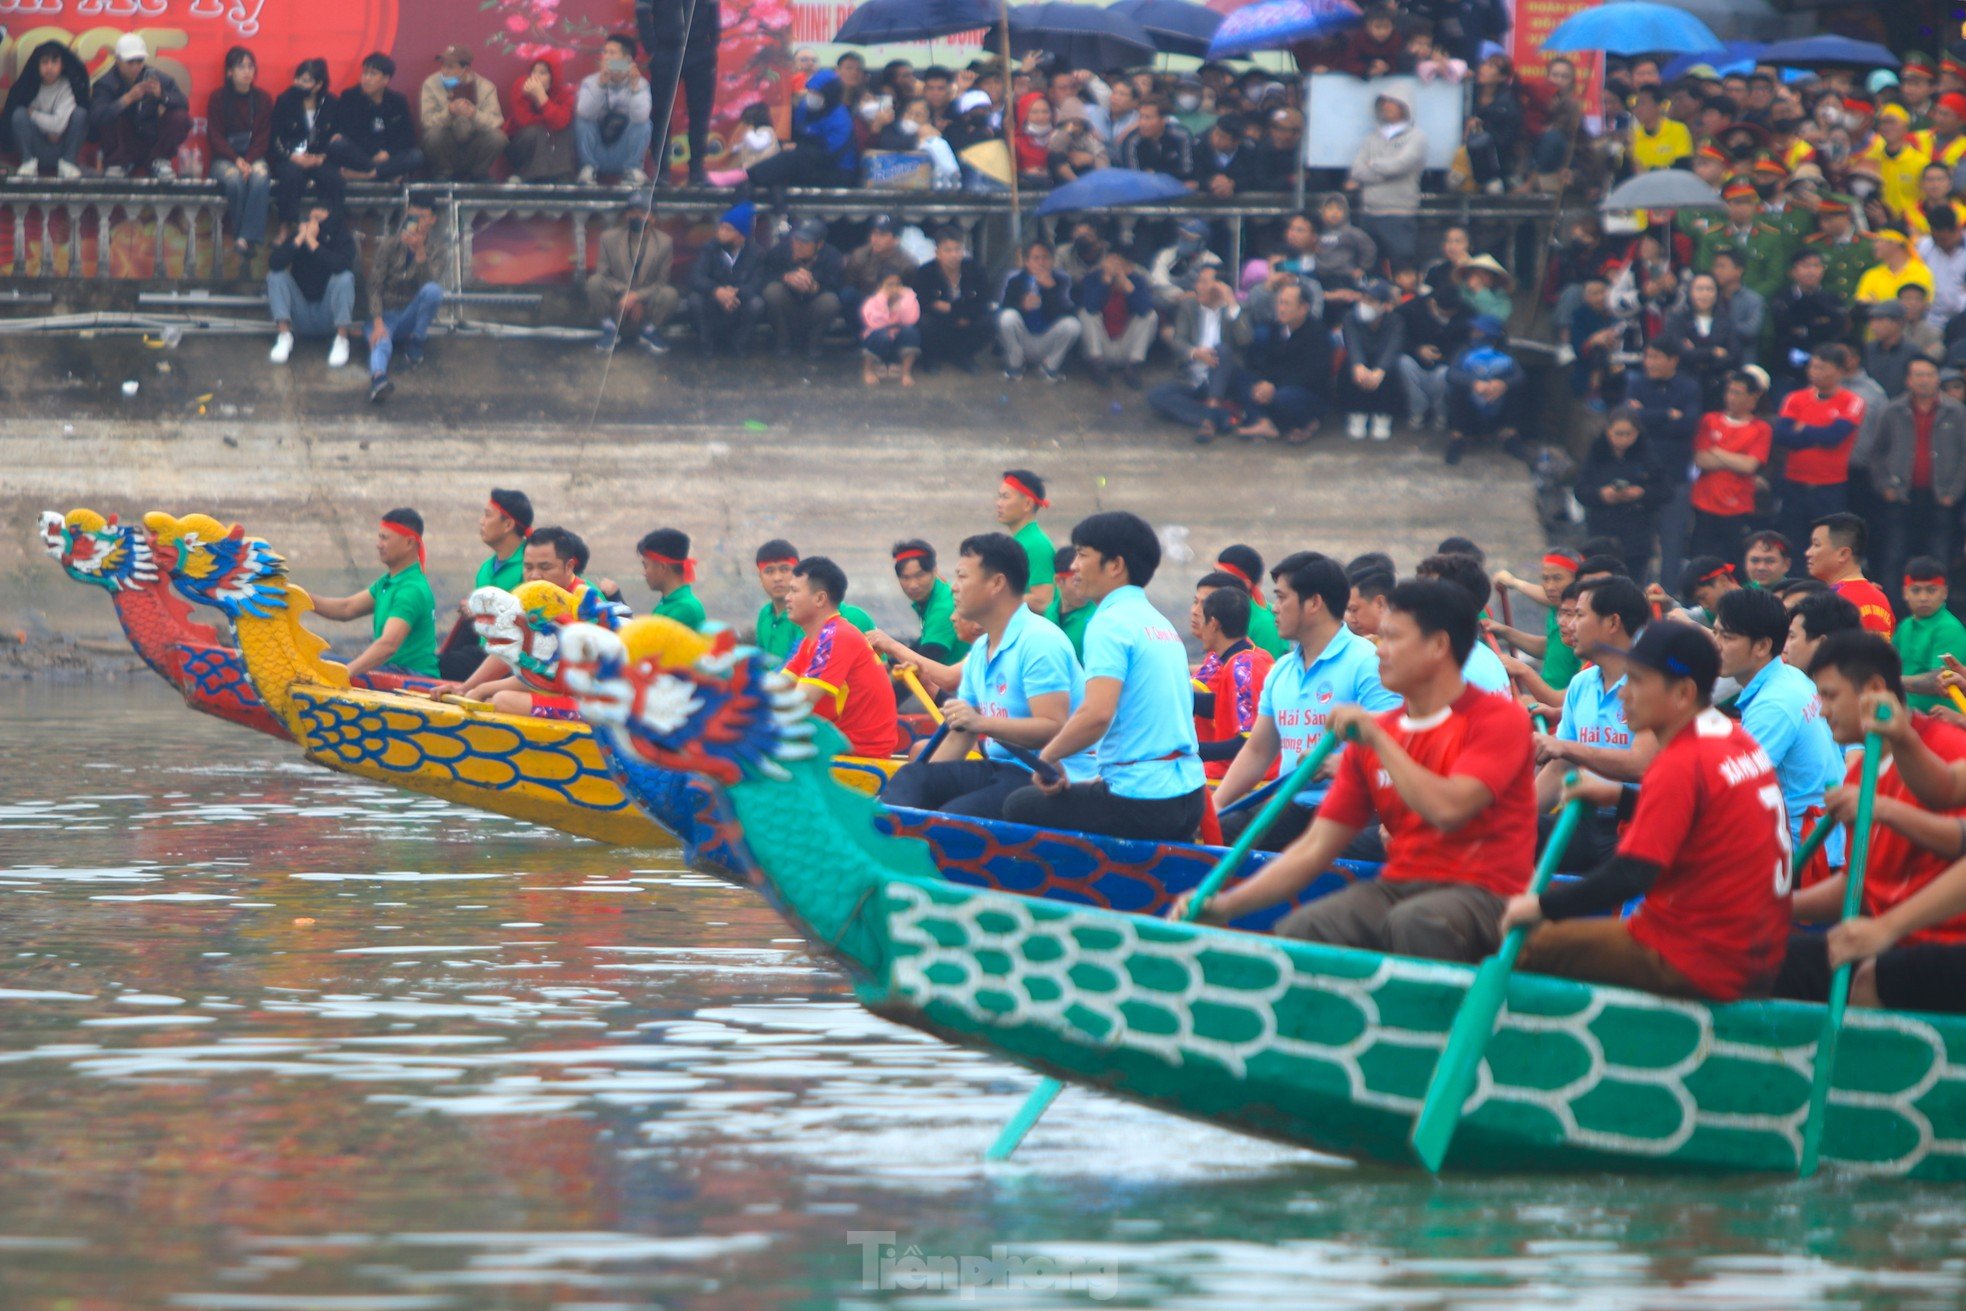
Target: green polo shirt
504 574
1921 642
1560 663
1073 623
406 596
1262 631
1042 554
938 616
778 637
682 606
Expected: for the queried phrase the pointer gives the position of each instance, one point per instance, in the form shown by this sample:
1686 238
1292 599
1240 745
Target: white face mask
909 127
869 110
815 102
758 138
1187 104
1367 312
1039 133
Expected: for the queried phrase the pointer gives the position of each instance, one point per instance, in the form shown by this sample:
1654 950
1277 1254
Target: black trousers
1092 808
1920 977
1592 842
944 341
1292 824
661 25
976 788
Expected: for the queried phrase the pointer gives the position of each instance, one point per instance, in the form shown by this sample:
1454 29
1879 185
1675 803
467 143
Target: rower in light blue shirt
1034 658
1299 696
1777 703
1484 670
1150 750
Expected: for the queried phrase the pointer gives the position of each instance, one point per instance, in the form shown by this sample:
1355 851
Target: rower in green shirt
1560 663
930 598
404 631
1074 620
669 571
1244 563
1930 631
1019 498
777 636
503 526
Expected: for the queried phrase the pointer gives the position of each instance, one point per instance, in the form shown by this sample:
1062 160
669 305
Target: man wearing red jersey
1708 847
835 665
1909 939
1817 425
1835 556
1229 684
1451 777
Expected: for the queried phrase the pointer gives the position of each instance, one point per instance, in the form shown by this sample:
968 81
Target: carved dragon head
221 567
98 550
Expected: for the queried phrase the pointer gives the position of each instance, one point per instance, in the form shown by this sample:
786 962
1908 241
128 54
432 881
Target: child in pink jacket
891 338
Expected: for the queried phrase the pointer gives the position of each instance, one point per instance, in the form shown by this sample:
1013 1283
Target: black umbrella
1083 36
1178 27
891 22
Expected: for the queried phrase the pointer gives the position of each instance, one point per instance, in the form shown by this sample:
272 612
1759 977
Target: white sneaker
1382 427
283 348
116 171
586 175
66 169
636 178
338 353
1355 427
163 172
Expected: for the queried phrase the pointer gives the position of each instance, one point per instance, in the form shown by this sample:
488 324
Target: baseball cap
456 54
1676 650
131 46
812 230
883 223
972 99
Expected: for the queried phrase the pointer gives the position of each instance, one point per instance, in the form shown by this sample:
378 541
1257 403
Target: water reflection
271 1038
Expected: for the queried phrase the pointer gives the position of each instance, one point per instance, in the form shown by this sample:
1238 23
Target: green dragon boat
1323 1047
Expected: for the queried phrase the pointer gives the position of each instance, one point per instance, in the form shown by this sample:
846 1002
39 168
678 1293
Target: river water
271 1038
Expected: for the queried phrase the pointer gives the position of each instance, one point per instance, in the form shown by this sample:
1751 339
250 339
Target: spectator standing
1804 317
1435 330
681 37
629 291
1817 427
802 288
1730 450
409 269
1622 489
1669 407
611 123
1205 359
302 126
1375 340
374 135
1037 321
239 135
1226 165
1919 470
725 285
1742 305
956 315
47 112
540 147
1495 124
1386 177
890 337
138 115
1281 154
1656 140
1345 255
1943 250
1709 348
1897 265
1889 352
1116 311
1159 144
310 285
463 125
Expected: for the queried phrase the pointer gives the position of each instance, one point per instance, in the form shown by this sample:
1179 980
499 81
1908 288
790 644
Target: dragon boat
124 561
1325 1047
605 670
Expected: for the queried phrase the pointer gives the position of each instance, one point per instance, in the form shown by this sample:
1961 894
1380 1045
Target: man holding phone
409 270
139 114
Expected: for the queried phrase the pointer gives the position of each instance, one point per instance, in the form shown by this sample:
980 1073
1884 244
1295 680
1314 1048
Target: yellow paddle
912 681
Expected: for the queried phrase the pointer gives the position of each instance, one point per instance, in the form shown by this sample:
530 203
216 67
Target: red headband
1725 571
687 566
523 530
1017 485
899 556
766 564
1556 560
1255 592
391 526
1935 578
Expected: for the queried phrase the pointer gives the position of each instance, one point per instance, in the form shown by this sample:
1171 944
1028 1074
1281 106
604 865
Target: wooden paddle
1839 984
1048 1089
1474 1024
1958 698
912 681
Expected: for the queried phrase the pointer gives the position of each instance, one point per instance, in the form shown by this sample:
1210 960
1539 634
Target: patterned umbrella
1277 23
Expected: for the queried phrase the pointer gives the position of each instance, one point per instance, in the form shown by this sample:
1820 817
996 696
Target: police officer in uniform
1762 245
1846 253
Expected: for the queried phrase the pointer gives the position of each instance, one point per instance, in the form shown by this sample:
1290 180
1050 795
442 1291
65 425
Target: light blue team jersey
1299 700
1035 659
1150 751
1780 710
1484 670
1593 714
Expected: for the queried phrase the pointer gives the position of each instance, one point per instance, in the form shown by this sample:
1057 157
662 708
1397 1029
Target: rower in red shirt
1817 428
1909 940
1451 777
1229 683
1835 556
835 665
1707 846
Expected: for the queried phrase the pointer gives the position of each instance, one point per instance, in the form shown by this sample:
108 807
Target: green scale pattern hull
1332 1048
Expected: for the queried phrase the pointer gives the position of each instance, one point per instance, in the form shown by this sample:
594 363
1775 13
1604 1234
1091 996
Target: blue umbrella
1177 26
1637 28
1082 36
1829 51
1111 188
890 22
1732 57
1278 23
